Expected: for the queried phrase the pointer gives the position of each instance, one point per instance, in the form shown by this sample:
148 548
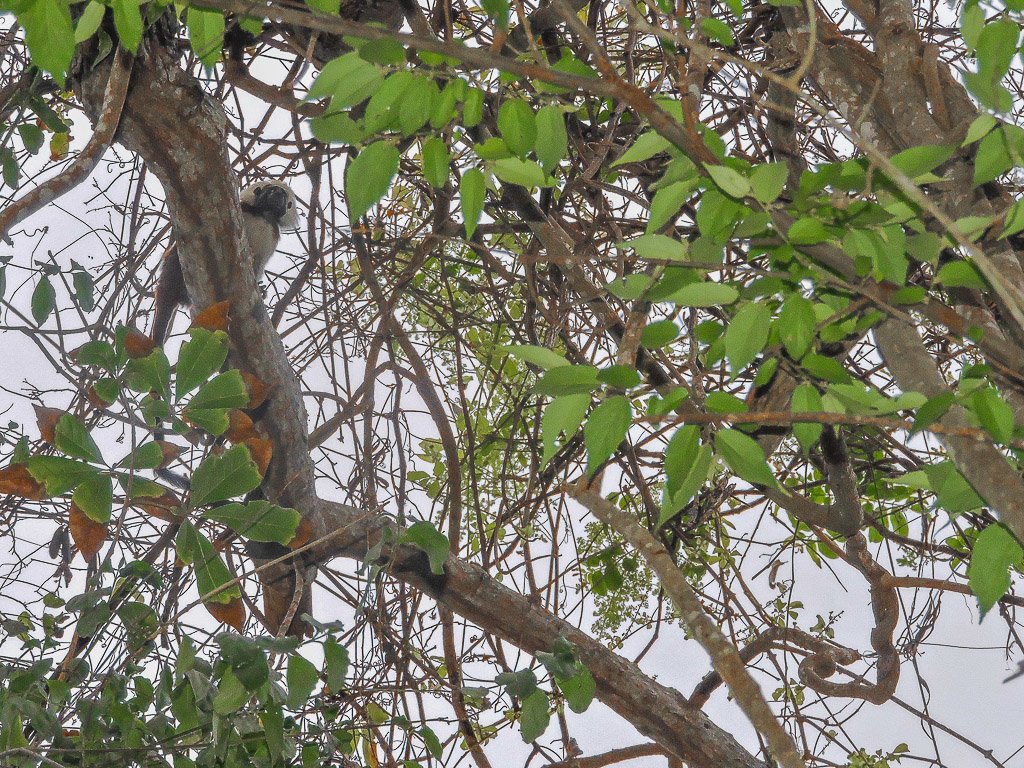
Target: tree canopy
644 383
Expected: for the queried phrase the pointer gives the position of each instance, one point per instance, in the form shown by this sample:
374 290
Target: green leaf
335 665
629 287
519 684
534 716
58 473
330 7
579 689
336 128
199 358
416 105
146 456
258 520
98 353
729 180
666 203
43 300
225 390
552 144
686 469
524 173
718 30
302 678
605 429
206 34
107 389
444 107
767 181
11 169
542 357
221 477
517 125
425 536
1014 219
960 274
567 380
993 413
368 177
704 295
645 147
655 246
473 108
619 376
435 161
562 415
231 694
932 411
918 161
89 21
744 456
48 34
194 549
796 324
432 743
746 335
471 199
151 373
980 128
83 286
807 399
807 231
128 22
95 497
825 368
952 491
659 334
32 137
997 153
71 437
995 552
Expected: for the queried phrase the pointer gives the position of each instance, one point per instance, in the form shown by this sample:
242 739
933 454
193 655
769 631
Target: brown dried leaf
161 507
138 344
232 614
87 533
261 451
170 452
240 427
302 534
257 390
46 420
95 400
17 481
214 317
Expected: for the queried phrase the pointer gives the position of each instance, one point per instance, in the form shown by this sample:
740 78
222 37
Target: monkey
267 208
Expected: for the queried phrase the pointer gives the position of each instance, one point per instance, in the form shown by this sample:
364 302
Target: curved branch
107 120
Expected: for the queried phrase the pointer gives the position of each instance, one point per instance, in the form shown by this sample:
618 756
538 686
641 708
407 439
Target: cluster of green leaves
52 32
233 710
31 119
375 100
575 682
44 295
204 397
776 320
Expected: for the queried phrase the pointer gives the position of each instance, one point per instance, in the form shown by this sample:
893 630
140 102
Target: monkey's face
272 201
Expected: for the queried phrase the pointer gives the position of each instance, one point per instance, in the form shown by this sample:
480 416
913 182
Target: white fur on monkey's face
273 201
267 208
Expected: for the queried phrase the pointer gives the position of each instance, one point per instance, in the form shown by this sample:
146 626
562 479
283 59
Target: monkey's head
272 201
